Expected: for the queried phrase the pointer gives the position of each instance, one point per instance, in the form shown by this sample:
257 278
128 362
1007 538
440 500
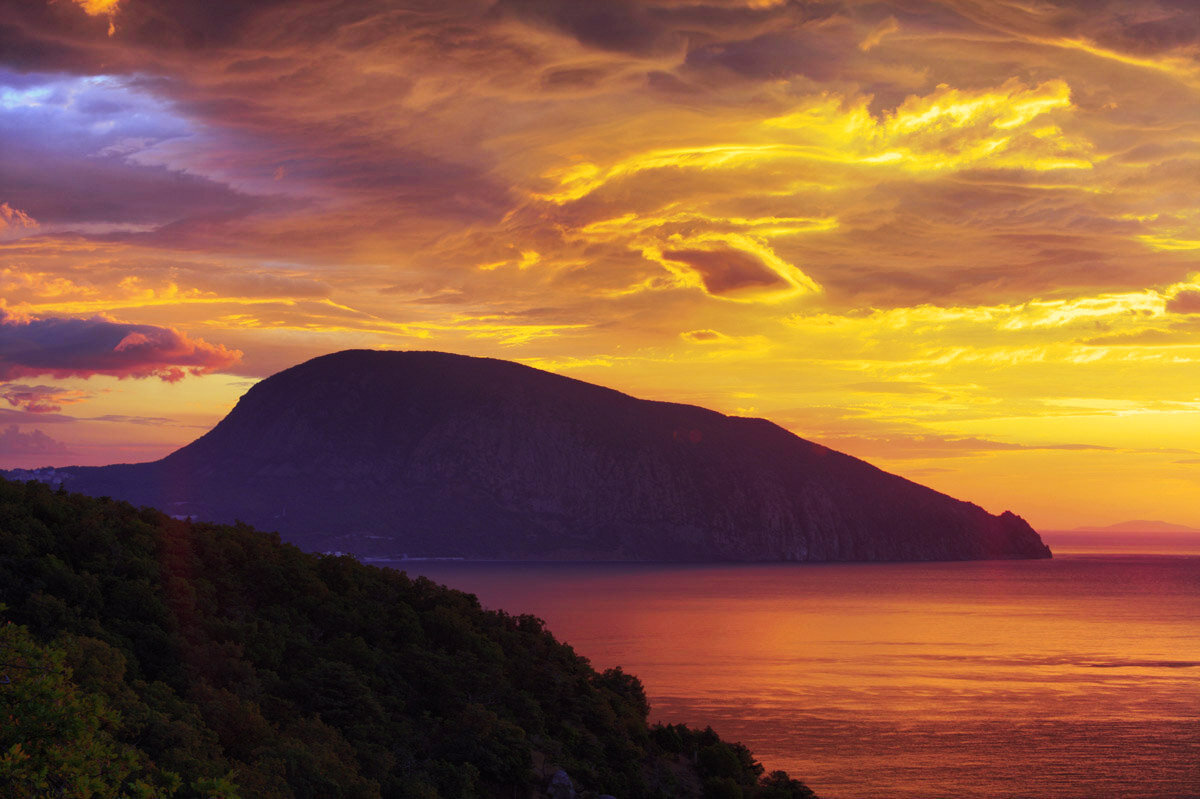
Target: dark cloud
1144 28
37 36
163 36
74 191
611 25
408 178
178 147
46 172
61 36
213 25
100 346
619 25
16 443
703 336
649 27
188 24
1185 302
727 271
776 55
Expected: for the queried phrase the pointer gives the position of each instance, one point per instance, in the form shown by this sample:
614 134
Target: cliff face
425 453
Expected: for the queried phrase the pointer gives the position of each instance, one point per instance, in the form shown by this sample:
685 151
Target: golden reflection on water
1076 677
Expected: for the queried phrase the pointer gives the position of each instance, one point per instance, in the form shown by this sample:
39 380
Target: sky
958 239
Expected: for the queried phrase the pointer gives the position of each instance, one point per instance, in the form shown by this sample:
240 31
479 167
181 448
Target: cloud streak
40 399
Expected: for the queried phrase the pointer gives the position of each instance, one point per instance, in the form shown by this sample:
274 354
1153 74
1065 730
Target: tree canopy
147 656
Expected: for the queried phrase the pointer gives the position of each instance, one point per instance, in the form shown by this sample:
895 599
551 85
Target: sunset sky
958 239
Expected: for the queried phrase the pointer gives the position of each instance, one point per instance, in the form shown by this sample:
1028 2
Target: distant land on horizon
1137 526
1139 536
418 453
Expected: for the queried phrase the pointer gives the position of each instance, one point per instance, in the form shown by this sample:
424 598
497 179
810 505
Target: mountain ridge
386 453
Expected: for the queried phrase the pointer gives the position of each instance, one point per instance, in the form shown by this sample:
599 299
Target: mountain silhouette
385 453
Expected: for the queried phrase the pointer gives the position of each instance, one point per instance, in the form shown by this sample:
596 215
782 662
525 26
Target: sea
1073 677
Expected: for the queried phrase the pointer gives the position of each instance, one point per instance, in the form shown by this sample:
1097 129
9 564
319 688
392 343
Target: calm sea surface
1074 677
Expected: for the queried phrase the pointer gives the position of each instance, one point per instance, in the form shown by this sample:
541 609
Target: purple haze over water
1075 677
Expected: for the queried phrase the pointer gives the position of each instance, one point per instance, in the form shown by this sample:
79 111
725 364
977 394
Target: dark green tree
144 647
55 738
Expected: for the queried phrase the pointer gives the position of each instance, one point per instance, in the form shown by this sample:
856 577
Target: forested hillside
144 656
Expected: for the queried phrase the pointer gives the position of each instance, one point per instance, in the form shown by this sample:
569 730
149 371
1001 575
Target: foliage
55 738
149 656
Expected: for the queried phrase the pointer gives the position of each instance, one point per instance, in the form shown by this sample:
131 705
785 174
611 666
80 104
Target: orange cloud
97 7
41 399
15 222
889 25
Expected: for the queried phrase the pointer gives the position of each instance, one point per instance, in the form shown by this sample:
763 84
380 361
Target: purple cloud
100 346
14 442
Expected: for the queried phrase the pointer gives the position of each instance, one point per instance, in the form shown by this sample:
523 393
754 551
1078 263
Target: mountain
432 454
1140 526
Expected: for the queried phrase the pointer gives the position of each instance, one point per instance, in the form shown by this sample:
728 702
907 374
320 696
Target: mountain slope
145 656
426 453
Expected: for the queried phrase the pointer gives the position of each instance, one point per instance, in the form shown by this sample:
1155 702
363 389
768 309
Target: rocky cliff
431 454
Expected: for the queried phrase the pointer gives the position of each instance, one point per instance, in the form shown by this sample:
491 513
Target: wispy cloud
40 399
